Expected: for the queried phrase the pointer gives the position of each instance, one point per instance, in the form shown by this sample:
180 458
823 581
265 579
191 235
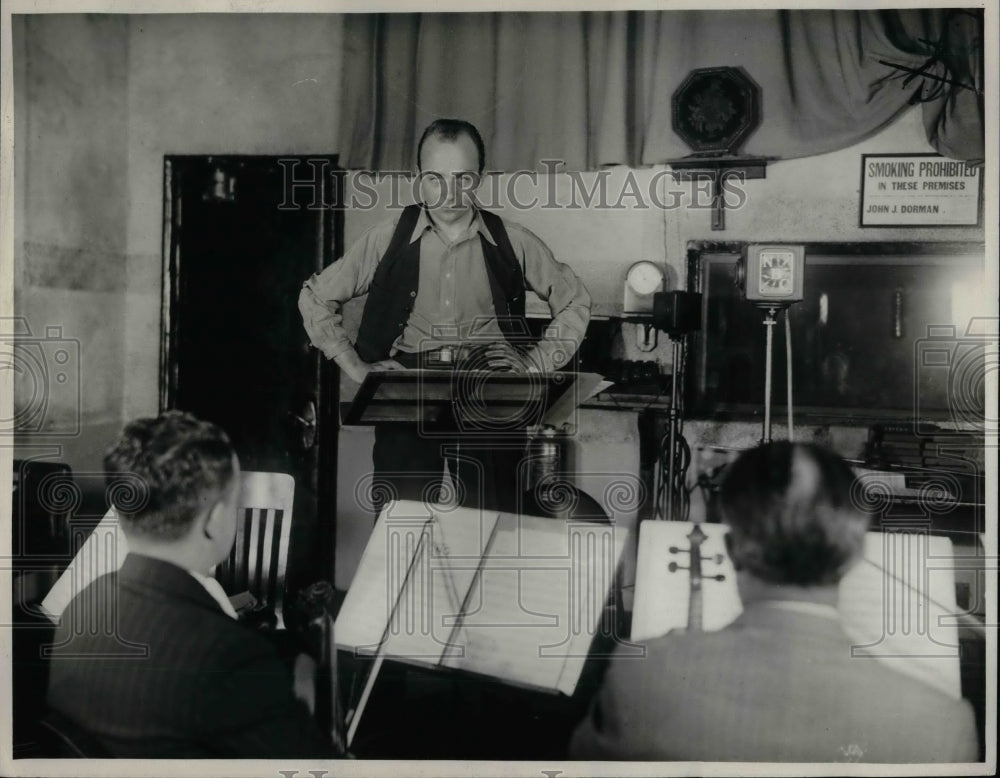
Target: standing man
443 277
781 683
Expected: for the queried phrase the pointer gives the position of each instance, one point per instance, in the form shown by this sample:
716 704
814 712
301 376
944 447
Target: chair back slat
270 520
256 526
231 572
281 559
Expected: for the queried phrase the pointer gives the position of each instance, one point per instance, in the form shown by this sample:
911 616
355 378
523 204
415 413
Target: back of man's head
791 513
163 472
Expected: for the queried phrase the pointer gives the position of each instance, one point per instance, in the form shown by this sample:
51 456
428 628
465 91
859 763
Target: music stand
481 401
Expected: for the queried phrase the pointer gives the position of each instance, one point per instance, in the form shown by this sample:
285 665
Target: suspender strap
393 291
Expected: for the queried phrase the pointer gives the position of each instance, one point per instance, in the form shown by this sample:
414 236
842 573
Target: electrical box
677 313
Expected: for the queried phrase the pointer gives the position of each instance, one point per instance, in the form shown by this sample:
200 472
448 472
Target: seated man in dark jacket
150 660
780 683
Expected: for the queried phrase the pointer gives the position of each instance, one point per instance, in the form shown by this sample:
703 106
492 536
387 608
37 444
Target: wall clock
642 280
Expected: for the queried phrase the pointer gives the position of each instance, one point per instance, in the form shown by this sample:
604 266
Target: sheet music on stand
897 605
516 598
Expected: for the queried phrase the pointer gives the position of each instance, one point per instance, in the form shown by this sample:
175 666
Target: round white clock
645 277
642 280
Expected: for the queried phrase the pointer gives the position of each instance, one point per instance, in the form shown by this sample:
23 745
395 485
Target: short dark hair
792 514
163 471
450 129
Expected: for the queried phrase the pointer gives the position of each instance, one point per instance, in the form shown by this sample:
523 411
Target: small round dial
645 277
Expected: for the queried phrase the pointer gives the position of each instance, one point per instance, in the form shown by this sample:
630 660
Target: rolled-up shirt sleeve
323 295
567 297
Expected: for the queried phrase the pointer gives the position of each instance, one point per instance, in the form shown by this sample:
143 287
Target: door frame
329 243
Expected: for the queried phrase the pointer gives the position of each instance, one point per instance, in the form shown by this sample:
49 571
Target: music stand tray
480 399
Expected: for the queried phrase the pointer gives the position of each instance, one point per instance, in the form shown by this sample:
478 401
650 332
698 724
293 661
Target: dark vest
393 290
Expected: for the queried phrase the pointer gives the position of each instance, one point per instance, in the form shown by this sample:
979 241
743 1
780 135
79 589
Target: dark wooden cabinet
241 234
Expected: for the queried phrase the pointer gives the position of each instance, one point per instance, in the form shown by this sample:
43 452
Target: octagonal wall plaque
715 110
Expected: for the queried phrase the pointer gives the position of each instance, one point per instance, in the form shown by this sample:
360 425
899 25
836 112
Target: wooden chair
256 563
43 498
259 558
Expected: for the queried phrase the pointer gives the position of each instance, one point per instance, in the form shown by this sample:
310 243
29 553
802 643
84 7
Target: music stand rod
354 716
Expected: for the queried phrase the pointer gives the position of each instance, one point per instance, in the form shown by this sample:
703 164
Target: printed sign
919 190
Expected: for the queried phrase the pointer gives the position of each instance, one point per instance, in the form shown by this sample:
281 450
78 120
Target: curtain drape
593 89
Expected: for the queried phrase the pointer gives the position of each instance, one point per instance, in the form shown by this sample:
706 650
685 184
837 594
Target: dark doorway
239 240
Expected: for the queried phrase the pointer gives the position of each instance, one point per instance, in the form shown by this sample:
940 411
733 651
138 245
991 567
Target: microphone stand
769 322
